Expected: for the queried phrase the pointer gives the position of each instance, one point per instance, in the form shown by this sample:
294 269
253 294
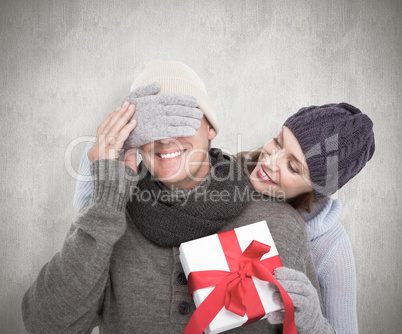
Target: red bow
235 289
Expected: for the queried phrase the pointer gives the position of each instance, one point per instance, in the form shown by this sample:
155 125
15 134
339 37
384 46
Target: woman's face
282 171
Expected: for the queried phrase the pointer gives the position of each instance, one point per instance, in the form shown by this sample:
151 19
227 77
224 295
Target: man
119 266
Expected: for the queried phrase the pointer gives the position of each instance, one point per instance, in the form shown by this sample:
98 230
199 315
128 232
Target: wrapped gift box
206 254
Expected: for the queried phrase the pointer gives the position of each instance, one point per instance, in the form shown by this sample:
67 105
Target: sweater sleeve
300 258
83 188
325 327
337 278
301 253
68 293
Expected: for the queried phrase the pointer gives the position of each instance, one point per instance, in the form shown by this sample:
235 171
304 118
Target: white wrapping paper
207 254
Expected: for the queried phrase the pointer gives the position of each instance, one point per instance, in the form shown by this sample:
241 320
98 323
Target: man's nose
166 141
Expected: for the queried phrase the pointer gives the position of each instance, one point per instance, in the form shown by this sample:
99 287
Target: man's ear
211 132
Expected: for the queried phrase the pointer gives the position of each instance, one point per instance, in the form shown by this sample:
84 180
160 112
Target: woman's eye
277 142
292 170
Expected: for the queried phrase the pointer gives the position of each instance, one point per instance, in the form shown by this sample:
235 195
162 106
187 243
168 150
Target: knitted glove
308 315
150 89
161 116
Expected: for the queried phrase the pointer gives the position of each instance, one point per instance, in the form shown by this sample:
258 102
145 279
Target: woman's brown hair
248 161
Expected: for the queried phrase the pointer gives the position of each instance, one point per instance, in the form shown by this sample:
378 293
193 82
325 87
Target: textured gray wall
65 65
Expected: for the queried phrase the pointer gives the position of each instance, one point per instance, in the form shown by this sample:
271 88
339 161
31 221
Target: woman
317 151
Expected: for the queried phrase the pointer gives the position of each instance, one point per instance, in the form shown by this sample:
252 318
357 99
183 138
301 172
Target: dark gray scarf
169 218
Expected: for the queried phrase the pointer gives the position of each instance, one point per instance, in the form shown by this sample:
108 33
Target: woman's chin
267 189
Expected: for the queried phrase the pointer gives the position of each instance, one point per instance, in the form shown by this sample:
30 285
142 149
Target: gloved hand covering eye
161 116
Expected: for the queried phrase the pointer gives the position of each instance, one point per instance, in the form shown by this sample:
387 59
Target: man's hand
158 117
98 151
111 135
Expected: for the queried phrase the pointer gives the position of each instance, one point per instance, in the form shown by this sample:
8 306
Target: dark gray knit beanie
337 141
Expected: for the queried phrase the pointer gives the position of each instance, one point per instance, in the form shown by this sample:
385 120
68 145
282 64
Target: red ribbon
235 289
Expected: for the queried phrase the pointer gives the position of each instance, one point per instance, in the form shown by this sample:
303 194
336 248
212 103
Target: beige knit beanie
177 78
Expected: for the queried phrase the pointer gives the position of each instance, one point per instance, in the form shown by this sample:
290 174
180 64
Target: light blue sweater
333 259
331 248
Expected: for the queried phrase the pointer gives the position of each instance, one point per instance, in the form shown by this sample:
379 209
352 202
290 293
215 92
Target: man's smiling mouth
170 155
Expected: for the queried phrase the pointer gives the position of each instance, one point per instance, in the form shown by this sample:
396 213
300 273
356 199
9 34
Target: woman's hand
111 135
308 316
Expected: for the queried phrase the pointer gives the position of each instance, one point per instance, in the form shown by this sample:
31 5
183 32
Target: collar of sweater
322 217
181 194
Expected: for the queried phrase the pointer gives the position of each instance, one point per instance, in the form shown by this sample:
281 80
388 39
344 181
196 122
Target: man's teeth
171 155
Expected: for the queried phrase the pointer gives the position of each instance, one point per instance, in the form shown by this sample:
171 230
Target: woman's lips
264 176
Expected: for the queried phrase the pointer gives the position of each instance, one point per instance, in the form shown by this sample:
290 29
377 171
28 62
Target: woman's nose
272 160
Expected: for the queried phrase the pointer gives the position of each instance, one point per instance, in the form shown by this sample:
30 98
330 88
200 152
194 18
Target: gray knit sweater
108 274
